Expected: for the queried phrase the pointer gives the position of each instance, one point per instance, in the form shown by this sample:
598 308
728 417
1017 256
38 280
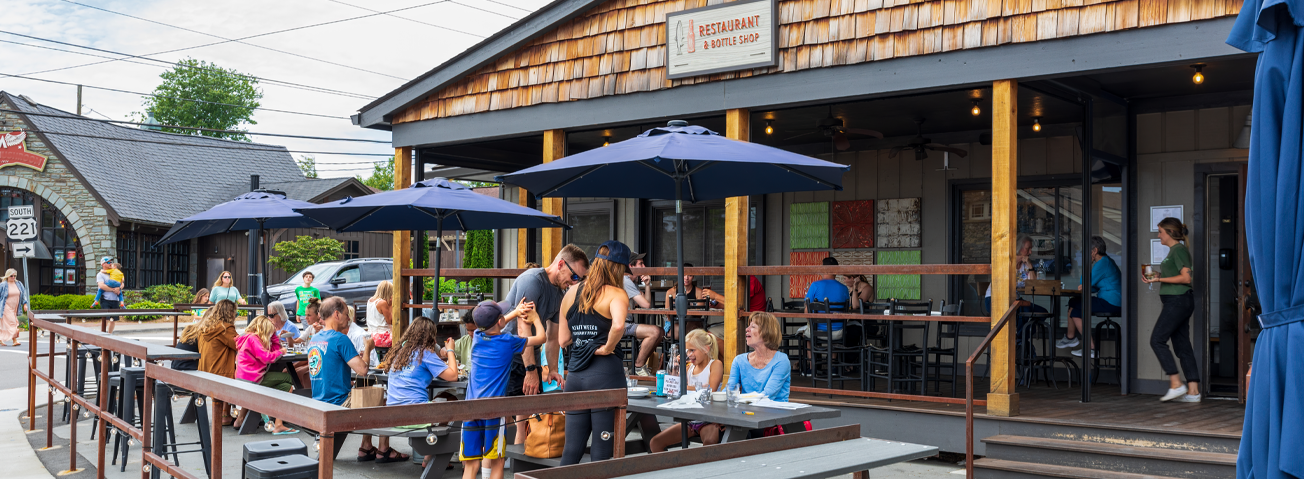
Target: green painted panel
898 286
810 225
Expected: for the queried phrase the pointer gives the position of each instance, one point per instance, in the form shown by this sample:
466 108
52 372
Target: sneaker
1189 398
1078 353
1174 394
644 371
1066 343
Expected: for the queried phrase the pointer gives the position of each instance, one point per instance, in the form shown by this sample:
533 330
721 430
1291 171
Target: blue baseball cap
106 260
617 252
486 314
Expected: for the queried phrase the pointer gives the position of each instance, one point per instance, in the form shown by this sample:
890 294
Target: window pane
694 237
590 230
350 275
374 272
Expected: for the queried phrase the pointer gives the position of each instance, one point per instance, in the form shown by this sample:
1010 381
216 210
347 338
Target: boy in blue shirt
491 362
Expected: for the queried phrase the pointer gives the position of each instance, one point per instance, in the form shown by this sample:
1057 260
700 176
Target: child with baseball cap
491 362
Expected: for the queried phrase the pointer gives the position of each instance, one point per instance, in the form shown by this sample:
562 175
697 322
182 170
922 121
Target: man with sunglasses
544 287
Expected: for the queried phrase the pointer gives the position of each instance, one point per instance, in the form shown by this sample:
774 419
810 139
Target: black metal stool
164 431
257 451
1107 330
79 384
124 406
284 467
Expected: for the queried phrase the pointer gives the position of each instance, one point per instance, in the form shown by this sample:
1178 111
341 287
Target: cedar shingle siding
619 46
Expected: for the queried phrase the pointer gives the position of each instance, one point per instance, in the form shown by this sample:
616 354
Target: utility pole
78 100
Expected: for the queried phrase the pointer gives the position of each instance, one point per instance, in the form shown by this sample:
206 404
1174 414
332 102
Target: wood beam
737 127
402 244
523 234
554 148
1002 400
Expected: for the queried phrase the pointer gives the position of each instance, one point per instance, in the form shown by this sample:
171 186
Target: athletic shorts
482 439
111 304
630 328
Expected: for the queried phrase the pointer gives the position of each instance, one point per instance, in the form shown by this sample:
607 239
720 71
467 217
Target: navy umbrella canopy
679 162
437 204
1271 439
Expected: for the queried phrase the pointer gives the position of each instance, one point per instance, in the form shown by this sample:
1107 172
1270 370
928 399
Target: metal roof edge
376 114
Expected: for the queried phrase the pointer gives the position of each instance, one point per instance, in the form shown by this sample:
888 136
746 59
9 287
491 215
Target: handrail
775 270
968 387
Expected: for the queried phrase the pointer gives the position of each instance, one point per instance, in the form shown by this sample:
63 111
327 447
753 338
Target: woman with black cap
592 324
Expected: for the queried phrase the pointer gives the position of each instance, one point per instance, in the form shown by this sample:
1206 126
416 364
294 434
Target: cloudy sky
359 58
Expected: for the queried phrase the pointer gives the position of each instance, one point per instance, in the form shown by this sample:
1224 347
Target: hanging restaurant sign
13 151
720 38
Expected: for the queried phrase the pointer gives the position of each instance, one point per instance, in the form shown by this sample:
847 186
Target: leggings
603 372
1174 324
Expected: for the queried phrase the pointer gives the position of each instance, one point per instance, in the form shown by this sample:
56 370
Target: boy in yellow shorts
491 359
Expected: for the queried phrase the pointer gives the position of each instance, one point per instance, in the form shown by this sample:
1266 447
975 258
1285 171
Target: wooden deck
1046 405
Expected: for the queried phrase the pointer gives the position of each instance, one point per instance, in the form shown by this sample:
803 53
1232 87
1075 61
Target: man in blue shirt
1107 290
330 357
832 292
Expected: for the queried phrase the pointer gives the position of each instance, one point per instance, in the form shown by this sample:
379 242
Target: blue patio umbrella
1271 439
256 210
679 162
437 204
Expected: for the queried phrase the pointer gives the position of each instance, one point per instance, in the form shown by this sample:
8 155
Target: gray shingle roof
303 189
155 177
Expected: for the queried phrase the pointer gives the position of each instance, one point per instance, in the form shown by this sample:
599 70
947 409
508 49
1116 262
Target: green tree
308 164
480 254
230 99
305 251
382 175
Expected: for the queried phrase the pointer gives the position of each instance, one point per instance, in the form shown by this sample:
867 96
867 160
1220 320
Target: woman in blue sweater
765 370
1107 294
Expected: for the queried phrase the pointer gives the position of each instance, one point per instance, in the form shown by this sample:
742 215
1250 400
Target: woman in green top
306 292
1175 319
224 288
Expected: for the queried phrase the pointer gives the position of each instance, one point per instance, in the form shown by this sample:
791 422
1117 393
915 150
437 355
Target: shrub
63 301
82 301
147 305
132 296
42 302
169 293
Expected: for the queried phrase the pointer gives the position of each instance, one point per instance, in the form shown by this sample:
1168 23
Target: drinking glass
631 382
732 396
1150 274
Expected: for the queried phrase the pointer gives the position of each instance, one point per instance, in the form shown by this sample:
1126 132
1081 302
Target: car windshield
315 269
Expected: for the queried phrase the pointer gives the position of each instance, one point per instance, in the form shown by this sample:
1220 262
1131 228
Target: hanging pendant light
1036 124
1198 78
975 111
769 127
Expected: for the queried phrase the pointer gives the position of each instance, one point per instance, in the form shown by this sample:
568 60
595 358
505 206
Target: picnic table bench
813 454
440 453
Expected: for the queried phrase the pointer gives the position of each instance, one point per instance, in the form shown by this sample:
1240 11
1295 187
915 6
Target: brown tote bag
365 396
547 435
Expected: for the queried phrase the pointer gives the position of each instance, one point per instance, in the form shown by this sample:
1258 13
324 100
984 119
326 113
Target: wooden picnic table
825 460
735 419
440 453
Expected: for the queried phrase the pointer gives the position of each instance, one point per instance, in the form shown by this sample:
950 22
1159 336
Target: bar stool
124 405
833 354
257 451
910 361
79 384
1035 328
790 342
164 436
878 357
284 467
1107 330
946 331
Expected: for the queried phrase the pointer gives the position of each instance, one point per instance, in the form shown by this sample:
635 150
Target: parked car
355 280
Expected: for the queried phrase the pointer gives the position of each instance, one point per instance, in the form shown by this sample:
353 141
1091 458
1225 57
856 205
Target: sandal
391 456
365 455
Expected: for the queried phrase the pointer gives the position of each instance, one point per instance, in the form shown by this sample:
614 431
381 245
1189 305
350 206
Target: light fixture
1036 124
1243 140
769 128
1198 78
606 140
975 110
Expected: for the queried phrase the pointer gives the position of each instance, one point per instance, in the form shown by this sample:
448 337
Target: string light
1198 78
606 140
769 128
975 110
1036 124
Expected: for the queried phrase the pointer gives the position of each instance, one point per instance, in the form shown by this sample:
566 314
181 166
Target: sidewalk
20 459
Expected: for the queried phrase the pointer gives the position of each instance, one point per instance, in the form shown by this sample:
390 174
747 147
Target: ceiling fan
833 128
920 144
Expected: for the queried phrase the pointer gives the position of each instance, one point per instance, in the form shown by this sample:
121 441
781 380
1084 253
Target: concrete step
1157 438
988 468
1130 458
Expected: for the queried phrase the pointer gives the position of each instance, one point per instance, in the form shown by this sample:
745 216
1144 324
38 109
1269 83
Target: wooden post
1002 400
522 235
554 148
737 127
402 245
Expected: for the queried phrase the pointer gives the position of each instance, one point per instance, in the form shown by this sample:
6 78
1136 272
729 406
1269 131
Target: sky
367 56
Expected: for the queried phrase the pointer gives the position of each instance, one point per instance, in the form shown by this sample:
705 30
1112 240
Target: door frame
1200 326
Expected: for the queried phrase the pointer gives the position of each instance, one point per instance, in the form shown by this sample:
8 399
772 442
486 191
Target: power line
526 10
176 64
240 40
475 8
410 20
7 75
106 117
211 130
220 147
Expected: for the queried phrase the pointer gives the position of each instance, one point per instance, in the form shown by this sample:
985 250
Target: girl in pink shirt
257 349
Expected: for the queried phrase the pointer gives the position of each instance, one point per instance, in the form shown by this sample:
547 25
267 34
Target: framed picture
1157 251
58 275
70 277
1158 213
71 257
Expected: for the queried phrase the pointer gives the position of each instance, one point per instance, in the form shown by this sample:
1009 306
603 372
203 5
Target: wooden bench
440 453
522 462
812 454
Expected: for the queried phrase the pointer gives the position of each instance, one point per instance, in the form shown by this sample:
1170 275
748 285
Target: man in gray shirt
647 335
112 297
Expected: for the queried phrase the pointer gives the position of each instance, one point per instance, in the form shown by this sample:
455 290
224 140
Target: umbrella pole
681 301
439 248
262 280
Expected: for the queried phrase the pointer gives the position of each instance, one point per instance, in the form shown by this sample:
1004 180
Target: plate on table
639 392
749 398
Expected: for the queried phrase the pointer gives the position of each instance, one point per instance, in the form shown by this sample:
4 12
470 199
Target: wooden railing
968 387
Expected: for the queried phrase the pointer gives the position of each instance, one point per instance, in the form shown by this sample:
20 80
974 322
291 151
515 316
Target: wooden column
554 148
737 127
402 244
1002 400
522 235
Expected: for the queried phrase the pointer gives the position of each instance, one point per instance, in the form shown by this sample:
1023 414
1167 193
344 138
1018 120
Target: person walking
111 296
224 288
13 301
592 327
1174 322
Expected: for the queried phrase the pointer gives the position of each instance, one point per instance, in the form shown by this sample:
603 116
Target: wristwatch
532 368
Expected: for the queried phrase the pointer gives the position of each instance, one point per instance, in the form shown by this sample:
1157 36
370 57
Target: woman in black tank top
591 326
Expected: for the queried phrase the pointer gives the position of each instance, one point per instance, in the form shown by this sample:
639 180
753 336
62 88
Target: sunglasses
226 277
574 277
